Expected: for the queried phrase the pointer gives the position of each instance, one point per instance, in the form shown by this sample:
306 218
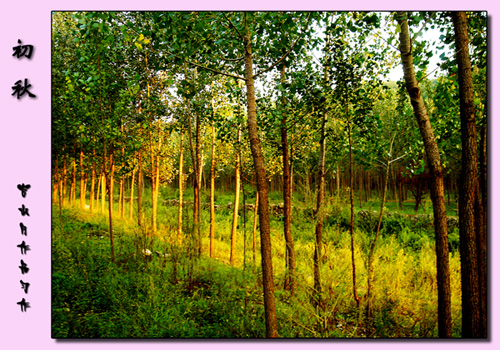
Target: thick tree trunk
287 201
262 188
472 237
437 187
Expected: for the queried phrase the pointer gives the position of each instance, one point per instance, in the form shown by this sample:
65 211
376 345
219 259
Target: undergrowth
173 293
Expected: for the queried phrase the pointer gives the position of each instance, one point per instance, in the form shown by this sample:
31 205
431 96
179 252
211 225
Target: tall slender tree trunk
140 191
103 191
369 308
437 186
262 188
131 203
472 235
55 182
320 215
181 189
82 182
287 200
110 179
351 225
212 195
64 180
195 156
73 183
92 184
236 207
154 184
199 174
254 229
360 187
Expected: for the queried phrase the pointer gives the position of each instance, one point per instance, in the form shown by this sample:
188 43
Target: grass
184 297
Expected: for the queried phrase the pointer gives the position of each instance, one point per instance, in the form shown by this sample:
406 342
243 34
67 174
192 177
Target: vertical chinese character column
24 248
22 88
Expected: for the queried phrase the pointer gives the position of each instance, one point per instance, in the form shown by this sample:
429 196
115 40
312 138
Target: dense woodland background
256 174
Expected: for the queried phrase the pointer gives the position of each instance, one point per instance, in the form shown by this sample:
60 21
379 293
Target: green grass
184 297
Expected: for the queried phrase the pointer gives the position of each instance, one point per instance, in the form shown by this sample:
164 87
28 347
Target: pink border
25 157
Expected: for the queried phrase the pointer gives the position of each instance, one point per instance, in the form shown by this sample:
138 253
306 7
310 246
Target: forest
259 175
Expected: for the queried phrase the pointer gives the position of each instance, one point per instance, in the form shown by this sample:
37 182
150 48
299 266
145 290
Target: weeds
170 294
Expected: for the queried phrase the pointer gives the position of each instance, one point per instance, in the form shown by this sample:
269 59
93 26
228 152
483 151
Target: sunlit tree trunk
262 188
82 182
64 180
320 215
140 191
287 200
254 229
131 204
236 201
212 195
351 225
92 184
181 189
55 182
72 192
103 191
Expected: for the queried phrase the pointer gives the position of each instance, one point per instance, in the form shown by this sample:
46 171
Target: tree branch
286 54
422 28
206 68
232 25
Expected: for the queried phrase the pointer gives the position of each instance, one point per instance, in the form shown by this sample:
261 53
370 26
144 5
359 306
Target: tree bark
212 195
472 237
140 191
287 201
437 187
92 184
262 188
181 190
254 230
318 247
351 225
131 204
73 183
82 182
236 202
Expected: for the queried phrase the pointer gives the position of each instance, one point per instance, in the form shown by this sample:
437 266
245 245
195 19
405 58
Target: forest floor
175 293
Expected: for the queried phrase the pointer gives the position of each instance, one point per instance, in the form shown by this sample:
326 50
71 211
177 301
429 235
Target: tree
437 185
472 234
